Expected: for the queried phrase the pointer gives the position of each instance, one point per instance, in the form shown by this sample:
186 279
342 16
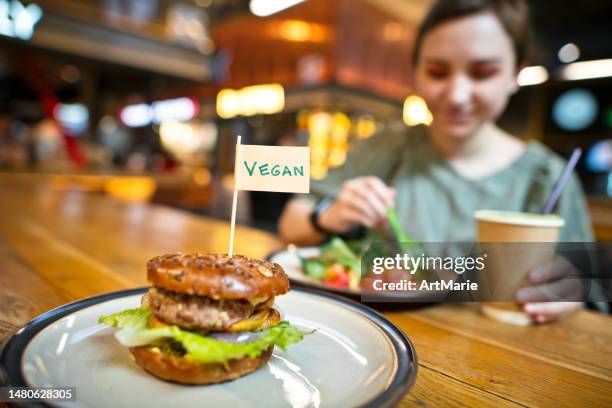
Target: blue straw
562 182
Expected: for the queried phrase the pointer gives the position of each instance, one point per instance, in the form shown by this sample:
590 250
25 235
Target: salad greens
134 331
339 264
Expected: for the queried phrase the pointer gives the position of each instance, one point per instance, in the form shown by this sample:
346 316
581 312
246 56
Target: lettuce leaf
132 318
135 332
337 250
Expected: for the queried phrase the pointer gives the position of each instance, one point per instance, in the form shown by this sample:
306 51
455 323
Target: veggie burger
208 318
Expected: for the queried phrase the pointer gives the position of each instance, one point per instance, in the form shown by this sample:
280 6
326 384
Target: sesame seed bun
217 276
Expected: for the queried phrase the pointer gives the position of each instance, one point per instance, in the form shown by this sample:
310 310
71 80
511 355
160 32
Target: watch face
325 203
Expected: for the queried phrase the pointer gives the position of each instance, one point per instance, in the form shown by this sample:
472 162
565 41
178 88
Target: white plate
291 263
354 358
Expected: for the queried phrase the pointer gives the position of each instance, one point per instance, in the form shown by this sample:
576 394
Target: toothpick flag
269 168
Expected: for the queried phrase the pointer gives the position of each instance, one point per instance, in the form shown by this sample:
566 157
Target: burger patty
198 312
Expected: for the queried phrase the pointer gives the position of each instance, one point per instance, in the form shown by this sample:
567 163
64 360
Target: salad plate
353 357
331 268
291 261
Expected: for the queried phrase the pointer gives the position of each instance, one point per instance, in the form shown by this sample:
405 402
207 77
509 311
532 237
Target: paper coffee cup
507 266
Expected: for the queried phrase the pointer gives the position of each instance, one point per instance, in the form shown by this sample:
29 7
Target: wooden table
59 246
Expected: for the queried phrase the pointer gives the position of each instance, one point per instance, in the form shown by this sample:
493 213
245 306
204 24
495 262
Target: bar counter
58 246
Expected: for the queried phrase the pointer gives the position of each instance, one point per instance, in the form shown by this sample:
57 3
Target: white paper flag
273 168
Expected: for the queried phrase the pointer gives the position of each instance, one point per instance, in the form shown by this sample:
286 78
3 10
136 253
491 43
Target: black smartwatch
318 209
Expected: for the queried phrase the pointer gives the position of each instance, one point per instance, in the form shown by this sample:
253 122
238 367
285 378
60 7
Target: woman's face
466 72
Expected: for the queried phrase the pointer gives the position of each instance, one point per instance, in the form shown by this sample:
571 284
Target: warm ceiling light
265 99
228 103
532 76
263 8
251 100
319 123
295 30
587 70
365 126
300 31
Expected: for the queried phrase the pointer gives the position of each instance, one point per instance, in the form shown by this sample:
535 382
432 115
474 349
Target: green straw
400 235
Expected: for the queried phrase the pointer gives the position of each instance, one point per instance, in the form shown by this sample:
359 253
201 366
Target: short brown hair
512 14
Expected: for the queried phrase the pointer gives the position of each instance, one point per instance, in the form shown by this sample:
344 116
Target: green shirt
436 204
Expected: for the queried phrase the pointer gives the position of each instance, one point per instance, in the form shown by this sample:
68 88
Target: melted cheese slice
258 300
260 320
155 323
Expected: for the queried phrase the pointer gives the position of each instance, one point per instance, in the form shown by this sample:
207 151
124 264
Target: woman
466 60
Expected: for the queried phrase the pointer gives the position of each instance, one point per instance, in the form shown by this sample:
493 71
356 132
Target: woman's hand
362 201
556 280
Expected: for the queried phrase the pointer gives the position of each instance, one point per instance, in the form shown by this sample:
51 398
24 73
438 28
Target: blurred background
141 100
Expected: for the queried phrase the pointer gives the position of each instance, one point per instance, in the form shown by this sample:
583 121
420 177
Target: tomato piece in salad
336 276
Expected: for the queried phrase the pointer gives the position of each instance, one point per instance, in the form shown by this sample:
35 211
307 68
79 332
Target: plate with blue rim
354 357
